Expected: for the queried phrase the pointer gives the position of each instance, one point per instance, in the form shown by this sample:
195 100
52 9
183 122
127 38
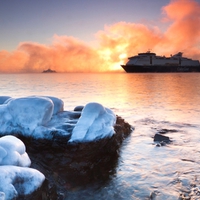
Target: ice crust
41 116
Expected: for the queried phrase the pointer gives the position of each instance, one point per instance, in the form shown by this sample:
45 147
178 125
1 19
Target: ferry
150 62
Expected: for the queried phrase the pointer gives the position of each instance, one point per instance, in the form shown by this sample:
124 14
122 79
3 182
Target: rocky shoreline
67 149
66 165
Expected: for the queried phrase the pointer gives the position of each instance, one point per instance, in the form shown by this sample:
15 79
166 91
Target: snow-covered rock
19 181
13 152
58 104
96 122
16 179
78 143
43 116
30 112
3 99
5 119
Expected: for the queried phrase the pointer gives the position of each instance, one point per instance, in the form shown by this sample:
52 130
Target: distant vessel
150 62
49 71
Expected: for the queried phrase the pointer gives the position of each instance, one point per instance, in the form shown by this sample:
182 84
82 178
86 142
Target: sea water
152 103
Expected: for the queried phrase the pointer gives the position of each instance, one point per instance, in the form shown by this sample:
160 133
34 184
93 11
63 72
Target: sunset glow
114 44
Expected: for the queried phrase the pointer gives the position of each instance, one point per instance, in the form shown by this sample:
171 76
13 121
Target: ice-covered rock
16 179
3 99
35 116
43 116
19 181
96 122
5 119
94 131
2 196
13 152
30 112
58 104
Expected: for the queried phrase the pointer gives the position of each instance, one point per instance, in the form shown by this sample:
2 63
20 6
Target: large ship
150 62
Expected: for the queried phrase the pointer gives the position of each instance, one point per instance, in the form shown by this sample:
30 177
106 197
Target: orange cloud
66 54
115 43
125 39
184 32
12 61
181 9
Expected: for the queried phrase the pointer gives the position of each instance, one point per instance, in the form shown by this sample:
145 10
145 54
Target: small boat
49 71
150 62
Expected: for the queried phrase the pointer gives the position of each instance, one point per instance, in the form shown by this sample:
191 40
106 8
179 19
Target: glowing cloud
125 39
115 43
12 62
66 54
184 32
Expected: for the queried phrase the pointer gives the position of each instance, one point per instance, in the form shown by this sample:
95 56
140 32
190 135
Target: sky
93 36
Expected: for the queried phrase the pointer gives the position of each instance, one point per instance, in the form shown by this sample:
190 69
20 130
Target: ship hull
151 68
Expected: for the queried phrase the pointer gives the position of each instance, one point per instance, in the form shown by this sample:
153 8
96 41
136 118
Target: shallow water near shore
152 103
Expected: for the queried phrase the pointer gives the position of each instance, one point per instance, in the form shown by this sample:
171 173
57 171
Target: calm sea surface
150 103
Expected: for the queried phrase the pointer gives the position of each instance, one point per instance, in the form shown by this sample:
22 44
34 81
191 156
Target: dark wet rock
164 131
67 166
78 108
71 114
161 140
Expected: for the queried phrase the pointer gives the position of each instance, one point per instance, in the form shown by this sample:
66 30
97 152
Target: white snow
15 176
96 122
40 116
